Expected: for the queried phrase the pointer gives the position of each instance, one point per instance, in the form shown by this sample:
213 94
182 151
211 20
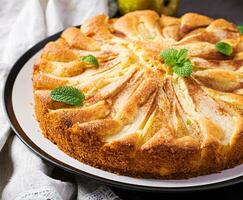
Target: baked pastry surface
138 119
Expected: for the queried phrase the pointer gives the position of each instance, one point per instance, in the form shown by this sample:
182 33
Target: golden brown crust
137 119
191 21
76 39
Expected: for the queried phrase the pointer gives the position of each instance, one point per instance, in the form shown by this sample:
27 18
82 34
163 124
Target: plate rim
16 127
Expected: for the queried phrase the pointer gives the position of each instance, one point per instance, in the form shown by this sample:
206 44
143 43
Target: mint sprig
68 95
178 61
91 60
224 48
240 28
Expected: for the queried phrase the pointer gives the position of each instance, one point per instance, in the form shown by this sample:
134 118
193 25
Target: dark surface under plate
234 192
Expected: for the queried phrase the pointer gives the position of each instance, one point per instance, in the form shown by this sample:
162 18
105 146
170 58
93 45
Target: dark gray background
229 9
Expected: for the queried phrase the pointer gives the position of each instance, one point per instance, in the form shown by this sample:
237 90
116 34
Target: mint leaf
182 55
91 60
240 28
68 95
178 61
224 48
168 53
169 56
183 70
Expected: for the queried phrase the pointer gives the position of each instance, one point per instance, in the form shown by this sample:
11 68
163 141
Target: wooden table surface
228 9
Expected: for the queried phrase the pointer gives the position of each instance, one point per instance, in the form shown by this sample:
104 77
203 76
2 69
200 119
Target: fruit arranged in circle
145 95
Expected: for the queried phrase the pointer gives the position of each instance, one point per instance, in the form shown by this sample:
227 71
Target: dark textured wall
228 9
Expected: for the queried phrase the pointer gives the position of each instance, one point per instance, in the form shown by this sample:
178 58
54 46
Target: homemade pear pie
142 115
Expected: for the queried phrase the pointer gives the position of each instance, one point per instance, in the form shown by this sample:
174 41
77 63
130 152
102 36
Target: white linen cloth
23 175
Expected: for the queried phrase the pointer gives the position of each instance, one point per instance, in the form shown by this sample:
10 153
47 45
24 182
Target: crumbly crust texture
138 119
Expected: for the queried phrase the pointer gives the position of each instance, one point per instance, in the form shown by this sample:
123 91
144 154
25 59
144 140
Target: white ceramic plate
18 100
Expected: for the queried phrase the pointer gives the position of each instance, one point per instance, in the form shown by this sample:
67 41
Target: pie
139 118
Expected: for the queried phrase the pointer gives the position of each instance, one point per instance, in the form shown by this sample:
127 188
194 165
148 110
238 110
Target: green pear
126 6
167 7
